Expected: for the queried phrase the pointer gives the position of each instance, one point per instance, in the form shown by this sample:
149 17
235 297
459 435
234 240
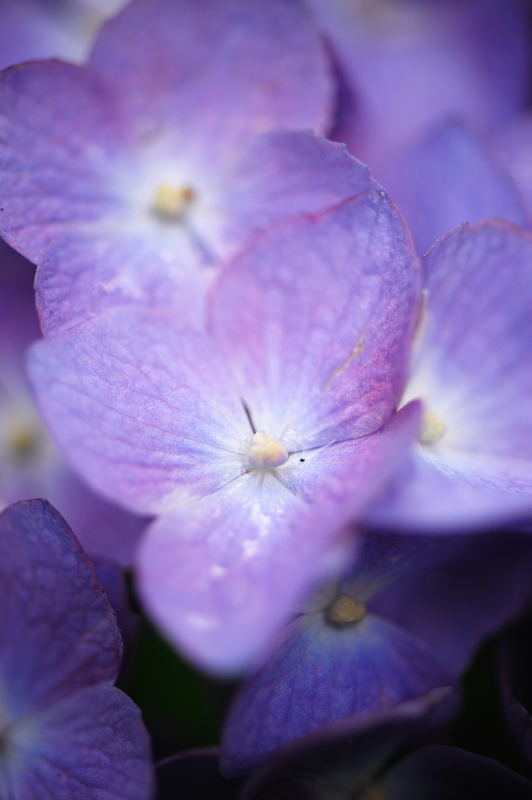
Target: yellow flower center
171 203
265 452
344 610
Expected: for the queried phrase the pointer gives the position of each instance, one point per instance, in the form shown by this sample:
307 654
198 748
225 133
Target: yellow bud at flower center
170 203
432 428
265 452
24 441
344 610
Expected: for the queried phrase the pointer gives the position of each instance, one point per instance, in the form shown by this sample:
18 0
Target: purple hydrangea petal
447 773
30 465
454 503
474 378
90 746
271 177
220 575
69 176
468 589
167 57
30 30
284 173
90 213
467 59
319 675
450 178
339 382
512 145
58 630
167 414
345 757
328 304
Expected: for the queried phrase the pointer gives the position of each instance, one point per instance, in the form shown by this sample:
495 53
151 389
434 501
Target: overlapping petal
409 66
90 746
450 178
316 321
473 374
58 631
151 115
221 574
321 674
266 61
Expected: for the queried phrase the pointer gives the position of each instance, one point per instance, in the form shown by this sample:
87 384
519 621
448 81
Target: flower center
24 441
265 452
344 610
170 203
432 428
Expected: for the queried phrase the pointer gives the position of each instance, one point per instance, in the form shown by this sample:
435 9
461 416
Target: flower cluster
266 320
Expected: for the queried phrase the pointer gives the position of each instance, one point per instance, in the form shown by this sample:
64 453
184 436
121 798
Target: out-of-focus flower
65 731
404 621
372 757
32 29
449 178
406 65
258 440
144 169
512 145
472 464
30 464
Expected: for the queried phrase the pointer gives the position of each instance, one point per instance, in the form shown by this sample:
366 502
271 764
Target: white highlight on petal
432 428
265 452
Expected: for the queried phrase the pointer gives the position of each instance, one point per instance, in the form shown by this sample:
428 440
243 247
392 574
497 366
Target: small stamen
432 428
24 441
344 610
171 203
265 452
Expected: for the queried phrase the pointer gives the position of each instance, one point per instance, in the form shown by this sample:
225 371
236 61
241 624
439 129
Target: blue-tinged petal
321 674
450 178
58 630
467 590
512 146
226 68
408 66
62 28
341 760
90 746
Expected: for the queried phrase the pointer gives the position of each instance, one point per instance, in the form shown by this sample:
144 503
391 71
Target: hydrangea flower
30 464
407 65
405 620
472 464
45 28
65 732
257 440
159 159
